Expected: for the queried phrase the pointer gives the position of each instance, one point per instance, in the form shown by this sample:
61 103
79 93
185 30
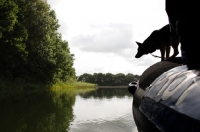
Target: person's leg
172 10
188 29
183 18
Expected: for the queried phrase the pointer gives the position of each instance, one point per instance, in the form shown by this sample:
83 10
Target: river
102 110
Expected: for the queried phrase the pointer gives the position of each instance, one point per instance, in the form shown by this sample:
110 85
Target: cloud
112 38
146 61
102 34
63 29
53 2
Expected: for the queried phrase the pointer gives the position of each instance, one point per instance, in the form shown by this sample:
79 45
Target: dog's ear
138 43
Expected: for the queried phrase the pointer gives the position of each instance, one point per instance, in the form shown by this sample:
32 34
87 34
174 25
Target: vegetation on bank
72 85
57 86
32 50
73 88
109 79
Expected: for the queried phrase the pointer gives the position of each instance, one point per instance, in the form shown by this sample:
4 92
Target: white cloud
102 33
54 2
63 29
113 38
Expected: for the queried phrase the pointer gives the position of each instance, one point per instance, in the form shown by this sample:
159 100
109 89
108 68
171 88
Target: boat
166 98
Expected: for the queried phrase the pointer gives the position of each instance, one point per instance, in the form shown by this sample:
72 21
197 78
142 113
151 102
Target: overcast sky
102 33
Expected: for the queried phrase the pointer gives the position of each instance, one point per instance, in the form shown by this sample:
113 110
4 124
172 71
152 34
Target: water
103 110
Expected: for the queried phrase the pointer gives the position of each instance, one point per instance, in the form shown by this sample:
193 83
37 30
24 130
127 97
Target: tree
31 47
129 78
119 79
12 40
86 78
109 79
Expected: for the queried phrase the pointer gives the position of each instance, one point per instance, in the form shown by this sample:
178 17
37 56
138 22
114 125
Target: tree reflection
35 112
107 93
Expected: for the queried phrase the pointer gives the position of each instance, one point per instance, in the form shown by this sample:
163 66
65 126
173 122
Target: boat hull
167 98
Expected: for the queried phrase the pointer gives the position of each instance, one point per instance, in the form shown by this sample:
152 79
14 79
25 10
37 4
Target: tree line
31 48
108 79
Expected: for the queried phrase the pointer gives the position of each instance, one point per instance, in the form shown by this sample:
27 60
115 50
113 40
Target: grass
70 86
73 87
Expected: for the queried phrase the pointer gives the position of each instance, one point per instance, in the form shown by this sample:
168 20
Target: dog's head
141 50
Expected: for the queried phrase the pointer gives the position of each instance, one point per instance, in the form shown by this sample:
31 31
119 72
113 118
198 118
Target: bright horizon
102 34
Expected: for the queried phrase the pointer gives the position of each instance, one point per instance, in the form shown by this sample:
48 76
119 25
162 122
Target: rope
155 55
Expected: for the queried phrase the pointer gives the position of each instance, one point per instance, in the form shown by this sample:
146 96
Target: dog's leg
167 52
175 47
174 43
162 51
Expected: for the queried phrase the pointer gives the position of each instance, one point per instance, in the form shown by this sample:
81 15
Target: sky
102 34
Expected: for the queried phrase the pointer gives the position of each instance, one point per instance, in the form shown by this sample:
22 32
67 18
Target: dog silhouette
160 39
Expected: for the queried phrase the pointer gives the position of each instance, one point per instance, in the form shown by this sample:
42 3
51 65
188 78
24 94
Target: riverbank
73 87
58 90
20 85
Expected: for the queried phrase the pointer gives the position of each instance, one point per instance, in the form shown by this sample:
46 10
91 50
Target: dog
160 39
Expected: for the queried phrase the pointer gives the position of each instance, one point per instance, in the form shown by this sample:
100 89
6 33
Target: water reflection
107 93
103 110
38 111
44 111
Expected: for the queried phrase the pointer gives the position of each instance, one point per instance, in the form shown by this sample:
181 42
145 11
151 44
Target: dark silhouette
184 21
147 77
160 39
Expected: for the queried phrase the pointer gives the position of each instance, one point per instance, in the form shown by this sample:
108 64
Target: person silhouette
184 21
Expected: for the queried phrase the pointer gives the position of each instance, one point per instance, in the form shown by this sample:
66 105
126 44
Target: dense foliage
108 79
31 49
